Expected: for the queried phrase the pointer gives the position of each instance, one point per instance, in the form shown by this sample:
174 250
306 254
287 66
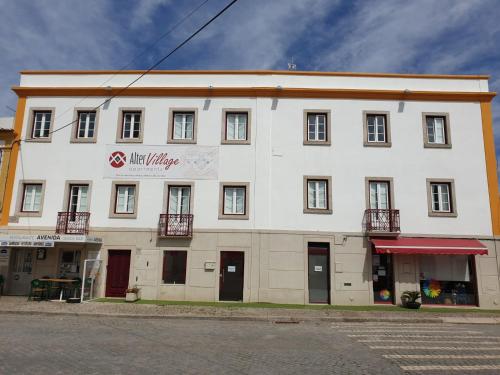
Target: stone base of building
260 266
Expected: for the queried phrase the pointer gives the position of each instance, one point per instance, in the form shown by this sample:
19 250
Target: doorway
382 276
21 274
231 277
319 272
118 271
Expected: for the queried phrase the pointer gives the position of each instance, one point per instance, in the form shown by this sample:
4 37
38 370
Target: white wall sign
231 268
318 268
164 161
44 240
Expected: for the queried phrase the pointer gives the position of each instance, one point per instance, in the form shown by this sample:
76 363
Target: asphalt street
35 344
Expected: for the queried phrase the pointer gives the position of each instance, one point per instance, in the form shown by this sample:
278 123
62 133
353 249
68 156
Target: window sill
320 211
181 141
442 214
317 143
39 140
171 284
133 140
233 217
83 140
437 145
28 214
122 216
234 142
377 144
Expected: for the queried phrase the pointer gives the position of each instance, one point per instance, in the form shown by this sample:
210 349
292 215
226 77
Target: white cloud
144 11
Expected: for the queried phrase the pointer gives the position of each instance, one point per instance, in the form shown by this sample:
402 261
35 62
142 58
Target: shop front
30 257
445 268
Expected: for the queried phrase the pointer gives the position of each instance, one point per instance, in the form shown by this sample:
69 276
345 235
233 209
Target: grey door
319 273
21 274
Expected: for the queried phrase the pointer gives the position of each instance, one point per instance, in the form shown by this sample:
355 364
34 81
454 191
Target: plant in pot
132 294
409 299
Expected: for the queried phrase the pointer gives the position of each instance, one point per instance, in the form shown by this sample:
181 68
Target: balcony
381 222
73 223
175 225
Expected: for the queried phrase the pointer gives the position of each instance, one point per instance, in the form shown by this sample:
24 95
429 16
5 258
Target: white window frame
37 190
440 197
443 139
234 200
317 195
378 195
236 132
376 125
179 206
134 125
78 207
129 206
44 131
316 125
86 124
184 126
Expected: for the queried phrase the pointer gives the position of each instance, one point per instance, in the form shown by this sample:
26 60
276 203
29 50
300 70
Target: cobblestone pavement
90 345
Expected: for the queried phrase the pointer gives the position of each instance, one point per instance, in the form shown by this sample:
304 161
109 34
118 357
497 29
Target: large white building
268 186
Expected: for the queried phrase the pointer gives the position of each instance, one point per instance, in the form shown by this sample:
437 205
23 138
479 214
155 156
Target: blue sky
420 36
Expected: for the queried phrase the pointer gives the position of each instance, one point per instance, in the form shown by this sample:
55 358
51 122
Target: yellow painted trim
491 166
270 92
255 72
9 183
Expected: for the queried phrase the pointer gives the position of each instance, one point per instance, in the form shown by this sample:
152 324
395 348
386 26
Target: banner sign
165 161
45 240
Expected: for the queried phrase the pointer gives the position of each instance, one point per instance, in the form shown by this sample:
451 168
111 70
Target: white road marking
451 367
399 330
434 341
430 336
401 347
441 356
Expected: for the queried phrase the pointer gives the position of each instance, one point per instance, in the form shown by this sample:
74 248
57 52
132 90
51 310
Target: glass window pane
311 194
173 200
228 200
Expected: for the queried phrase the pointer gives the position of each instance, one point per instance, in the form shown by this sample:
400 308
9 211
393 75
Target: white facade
276 235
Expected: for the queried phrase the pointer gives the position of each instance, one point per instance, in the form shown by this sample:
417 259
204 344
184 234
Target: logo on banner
117 159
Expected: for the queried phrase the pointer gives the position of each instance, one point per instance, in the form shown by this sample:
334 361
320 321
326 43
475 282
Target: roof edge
255 72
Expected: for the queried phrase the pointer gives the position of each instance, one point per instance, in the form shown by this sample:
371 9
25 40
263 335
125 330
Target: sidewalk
19 305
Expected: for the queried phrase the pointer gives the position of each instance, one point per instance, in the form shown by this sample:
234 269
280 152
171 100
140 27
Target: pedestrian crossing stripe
433 341
441 356
399 347
450 367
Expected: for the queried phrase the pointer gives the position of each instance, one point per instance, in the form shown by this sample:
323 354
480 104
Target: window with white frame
234 200
236 126
179 199
317 194
441 197
183 125
86 124
78 198
131 126
125 199
41 124
376 128
32 198
379 195
436 130
316 127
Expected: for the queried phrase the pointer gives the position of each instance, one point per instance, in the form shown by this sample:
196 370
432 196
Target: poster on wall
164 161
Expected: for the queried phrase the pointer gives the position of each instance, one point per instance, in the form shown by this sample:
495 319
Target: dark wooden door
118 270
319 273
232 265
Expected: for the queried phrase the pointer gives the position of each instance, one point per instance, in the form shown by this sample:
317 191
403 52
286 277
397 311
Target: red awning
437 246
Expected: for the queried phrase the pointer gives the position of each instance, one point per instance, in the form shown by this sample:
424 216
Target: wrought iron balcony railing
175 225
381 221
73 223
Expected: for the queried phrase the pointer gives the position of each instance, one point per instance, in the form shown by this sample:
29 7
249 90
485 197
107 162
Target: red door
118 270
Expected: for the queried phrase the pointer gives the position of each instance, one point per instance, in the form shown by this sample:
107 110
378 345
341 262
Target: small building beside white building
256 186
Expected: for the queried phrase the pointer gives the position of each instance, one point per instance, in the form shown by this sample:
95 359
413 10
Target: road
34 344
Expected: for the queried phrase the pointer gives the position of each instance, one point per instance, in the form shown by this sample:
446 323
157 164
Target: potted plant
132 294
409 299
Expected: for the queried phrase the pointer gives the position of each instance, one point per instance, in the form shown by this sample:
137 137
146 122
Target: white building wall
276 160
